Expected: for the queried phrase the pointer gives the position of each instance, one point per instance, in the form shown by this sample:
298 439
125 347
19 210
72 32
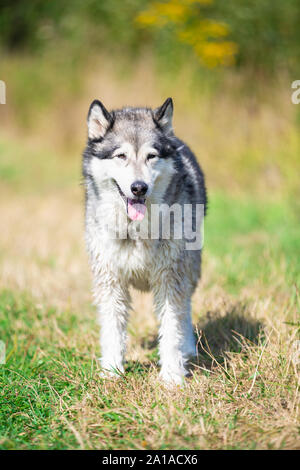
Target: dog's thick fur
124 146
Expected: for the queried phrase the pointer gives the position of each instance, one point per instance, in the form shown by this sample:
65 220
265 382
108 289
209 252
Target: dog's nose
139 188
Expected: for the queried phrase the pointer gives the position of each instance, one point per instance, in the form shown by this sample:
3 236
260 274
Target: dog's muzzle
136 208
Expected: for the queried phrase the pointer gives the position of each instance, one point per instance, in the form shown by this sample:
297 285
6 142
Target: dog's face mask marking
133 149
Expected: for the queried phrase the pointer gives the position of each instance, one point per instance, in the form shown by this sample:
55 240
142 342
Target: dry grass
243 392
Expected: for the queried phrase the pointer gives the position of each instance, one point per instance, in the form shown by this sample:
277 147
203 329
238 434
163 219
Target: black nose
139 188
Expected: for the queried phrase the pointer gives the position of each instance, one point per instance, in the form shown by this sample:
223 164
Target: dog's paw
171 379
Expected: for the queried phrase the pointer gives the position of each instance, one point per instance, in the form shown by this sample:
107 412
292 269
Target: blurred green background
228 65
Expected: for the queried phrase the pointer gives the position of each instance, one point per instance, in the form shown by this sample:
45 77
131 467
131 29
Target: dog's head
134 149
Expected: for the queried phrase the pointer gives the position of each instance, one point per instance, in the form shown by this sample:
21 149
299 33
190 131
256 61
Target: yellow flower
173 11
213 54
147 19
205 36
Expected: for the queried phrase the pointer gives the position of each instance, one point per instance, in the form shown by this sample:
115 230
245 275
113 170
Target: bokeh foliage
243 33
227 64
188 24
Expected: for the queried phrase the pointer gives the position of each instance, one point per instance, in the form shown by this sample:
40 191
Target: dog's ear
163 115
98 120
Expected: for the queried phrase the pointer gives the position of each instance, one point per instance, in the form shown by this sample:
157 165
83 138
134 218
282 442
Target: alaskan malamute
134 168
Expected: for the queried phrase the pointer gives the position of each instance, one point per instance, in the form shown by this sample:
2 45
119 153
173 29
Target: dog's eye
151 156
122 156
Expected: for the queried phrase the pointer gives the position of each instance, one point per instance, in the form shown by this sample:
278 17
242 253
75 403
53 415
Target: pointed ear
163 115
98 120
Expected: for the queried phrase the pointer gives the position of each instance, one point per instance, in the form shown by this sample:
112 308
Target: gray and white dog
132 163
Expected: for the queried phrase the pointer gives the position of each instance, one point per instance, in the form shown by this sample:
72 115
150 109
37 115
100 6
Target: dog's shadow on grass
218 333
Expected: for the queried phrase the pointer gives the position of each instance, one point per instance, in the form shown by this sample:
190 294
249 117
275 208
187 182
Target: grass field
243 392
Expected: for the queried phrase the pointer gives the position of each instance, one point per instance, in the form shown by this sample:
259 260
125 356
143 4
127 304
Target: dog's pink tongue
136 210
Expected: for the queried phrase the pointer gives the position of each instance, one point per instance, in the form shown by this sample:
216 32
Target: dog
133 163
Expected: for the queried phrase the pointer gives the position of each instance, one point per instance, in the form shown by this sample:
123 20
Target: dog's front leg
173 309
113 301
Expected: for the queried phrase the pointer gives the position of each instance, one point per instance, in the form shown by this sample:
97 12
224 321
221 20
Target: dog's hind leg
173 309
189 342
113 303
